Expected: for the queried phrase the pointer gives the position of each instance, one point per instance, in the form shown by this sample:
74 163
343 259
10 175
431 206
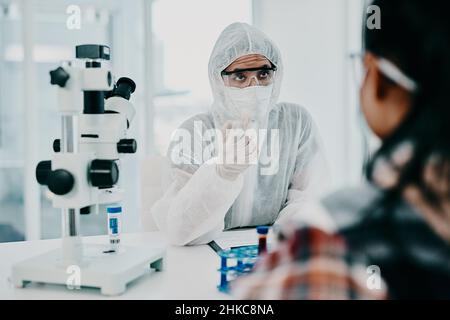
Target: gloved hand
239 151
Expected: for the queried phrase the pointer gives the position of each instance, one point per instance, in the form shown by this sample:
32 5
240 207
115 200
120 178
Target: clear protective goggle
242 78
386 67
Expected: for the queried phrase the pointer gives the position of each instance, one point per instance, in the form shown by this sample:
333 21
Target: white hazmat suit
199 203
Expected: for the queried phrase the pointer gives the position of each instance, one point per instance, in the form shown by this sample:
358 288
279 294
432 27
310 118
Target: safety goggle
386 67
242 78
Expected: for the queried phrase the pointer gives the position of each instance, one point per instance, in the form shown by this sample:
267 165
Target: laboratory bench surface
189 272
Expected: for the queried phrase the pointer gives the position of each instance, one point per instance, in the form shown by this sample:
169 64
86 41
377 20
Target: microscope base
111 272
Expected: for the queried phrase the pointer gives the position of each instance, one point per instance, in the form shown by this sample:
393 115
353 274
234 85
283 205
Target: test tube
262 239
114 213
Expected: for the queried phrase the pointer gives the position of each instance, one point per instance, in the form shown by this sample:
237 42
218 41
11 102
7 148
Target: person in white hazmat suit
212 191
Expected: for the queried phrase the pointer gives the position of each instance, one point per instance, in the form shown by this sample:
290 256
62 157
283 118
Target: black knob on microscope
60 182
124 88
43 170
127 146
103 173
57 145
59 77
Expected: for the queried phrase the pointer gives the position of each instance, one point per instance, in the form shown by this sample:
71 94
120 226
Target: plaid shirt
309 265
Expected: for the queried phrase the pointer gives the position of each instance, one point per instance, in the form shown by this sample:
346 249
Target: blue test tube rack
235 262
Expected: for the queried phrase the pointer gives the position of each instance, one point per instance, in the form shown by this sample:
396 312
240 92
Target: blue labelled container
114 209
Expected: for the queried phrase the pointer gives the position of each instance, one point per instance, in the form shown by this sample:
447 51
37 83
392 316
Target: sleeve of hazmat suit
193 208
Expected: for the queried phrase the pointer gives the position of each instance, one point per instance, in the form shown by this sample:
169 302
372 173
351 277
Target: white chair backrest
154 180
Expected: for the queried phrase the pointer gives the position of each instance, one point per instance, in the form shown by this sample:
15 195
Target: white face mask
250 103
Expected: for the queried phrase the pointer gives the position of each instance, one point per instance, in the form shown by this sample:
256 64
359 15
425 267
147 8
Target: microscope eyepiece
124 88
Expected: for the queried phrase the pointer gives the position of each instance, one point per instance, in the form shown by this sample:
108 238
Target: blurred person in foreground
397 225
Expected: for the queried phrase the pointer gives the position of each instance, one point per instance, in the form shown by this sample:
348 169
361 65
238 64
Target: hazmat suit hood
237 40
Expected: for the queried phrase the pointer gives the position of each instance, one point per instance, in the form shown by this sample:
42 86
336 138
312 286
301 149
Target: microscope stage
99 268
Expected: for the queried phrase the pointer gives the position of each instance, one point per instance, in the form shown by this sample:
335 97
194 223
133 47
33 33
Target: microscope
96 113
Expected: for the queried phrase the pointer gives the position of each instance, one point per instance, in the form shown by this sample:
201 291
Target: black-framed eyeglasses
241 78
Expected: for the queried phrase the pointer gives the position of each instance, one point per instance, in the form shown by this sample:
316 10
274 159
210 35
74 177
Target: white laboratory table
189 272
